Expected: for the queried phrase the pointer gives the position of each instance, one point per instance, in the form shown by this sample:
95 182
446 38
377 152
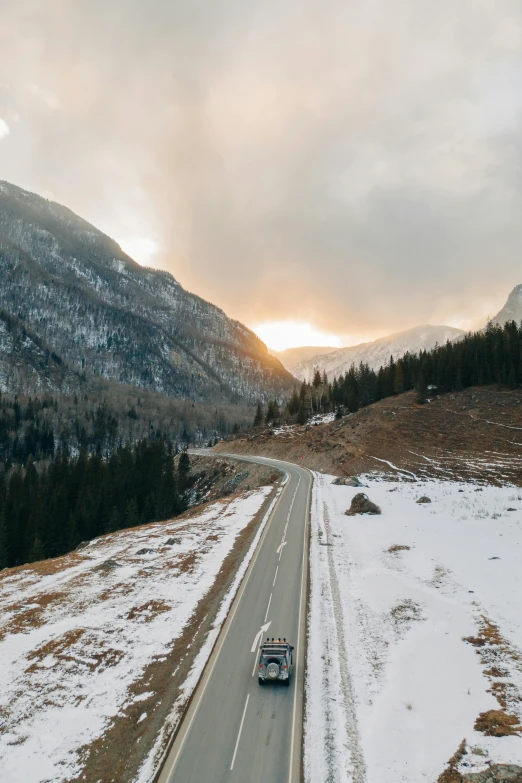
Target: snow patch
392 599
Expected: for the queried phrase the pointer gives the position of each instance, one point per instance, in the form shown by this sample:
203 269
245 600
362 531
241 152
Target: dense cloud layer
356 164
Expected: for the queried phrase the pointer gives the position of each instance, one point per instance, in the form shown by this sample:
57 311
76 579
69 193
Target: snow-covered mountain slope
103 314
292 357
377 353
28 365
512 310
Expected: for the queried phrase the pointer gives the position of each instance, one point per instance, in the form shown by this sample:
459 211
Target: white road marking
239 735
262 630
283 543
298 648
275 577
268 607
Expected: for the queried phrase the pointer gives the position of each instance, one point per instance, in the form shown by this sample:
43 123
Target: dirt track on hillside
475 434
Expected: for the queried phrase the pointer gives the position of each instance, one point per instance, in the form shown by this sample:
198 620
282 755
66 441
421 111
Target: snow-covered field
392 686
78 632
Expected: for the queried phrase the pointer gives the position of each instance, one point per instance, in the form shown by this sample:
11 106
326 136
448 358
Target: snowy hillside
102 648
377 353
418 612
103 314
512 310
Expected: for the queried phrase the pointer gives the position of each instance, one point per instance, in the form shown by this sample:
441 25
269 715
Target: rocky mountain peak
512 310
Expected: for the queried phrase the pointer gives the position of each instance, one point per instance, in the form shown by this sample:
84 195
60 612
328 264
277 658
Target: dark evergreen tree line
492 356
37 427
45 513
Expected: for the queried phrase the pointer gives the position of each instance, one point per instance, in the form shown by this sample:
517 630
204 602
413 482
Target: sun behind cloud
280 335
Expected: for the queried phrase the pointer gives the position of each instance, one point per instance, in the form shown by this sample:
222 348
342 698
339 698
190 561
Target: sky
324 172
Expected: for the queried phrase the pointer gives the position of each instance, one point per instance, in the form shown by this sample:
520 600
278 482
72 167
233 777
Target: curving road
235 730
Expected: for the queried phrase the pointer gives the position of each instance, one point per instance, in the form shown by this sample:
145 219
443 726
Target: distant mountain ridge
83 300
292 357
378 352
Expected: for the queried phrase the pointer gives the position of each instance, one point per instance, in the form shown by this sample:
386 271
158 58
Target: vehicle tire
287 682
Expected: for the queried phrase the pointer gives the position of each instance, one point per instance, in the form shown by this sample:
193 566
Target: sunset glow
280 335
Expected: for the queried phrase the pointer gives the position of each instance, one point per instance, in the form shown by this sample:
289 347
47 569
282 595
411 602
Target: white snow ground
69 651
396 688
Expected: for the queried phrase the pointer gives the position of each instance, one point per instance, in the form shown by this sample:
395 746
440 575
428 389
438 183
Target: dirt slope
473 434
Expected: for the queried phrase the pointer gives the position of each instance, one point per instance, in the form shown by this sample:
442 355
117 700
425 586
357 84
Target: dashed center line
239 735
268 607
275 577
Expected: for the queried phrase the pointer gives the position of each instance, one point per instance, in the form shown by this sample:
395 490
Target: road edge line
308 587
304 579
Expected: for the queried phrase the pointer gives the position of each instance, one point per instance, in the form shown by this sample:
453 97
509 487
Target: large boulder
350 481
108 565
424 499
361 504
497 773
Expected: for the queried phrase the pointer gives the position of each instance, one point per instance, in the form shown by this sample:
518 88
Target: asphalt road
236 730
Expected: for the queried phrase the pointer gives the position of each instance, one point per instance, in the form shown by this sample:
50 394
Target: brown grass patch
398 548
56 647
496 672
497 723
451 774
187 563
406 611
32 617
91 654
494 650
489 634
506 693
148 611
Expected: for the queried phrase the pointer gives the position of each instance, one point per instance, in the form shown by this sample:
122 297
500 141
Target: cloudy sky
350 165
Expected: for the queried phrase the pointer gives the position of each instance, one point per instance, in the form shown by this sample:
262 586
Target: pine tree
37 552
132 517
422 390
114 523
293 403
398 384
258 418
183 470
272 413
3 542
352 402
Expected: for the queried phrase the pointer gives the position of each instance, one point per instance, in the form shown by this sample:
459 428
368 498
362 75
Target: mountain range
303 361
73 305
375 354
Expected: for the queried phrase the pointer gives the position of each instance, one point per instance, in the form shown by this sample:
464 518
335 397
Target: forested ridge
491 356
48 512
38 426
